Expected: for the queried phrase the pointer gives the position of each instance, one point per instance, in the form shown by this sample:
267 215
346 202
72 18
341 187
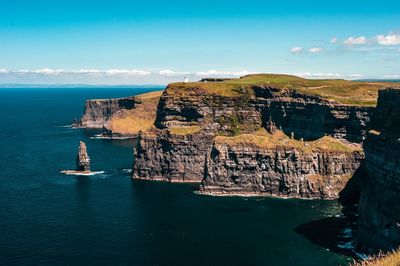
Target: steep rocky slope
379 206
190 115
274 164
310 116
170 157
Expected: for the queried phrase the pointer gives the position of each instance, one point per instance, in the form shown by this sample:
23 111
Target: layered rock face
310 117
98 113
187 120
82 158
379 205
174 158
215 113
276 165
243 110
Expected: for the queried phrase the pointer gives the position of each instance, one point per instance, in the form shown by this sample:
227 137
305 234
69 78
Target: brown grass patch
141 118
390 259
263 139
184 130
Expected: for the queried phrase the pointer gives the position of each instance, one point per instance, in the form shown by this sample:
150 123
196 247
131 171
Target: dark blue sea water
50 219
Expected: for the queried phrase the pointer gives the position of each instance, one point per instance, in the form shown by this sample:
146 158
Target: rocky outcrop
276 165
98 113
379 205
82 158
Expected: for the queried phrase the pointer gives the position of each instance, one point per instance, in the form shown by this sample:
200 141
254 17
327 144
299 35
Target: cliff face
215 111
174 158
311 117
277 165
187 121
98 113
379 205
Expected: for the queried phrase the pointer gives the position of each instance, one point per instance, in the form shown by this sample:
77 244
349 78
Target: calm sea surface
50 219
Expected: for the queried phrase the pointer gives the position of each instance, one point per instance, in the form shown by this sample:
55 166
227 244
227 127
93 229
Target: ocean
47 218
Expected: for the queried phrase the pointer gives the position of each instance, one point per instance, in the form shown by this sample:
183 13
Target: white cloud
392 39
355 40
3 70
334 40
315 50
48 71
392 76
224 73
296 50
327 75
88 71
168 72
317 75
132 72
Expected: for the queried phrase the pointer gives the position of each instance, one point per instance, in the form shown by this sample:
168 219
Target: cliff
379 211
171 157
121 116
98 113
274 164
311 116
191 115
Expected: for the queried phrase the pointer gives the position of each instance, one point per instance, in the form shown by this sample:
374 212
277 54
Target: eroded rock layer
190 115
276 165
379 206
310 116
174 158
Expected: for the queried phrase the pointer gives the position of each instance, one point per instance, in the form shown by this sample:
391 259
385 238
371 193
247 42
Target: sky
157 42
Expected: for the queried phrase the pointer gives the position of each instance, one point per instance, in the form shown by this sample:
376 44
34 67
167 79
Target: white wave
100 136
77 173
361 256
346 245
66 126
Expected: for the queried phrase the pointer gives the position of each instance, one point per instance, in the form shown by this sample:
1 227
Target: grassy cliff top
140 118
150 95
263 139
342 91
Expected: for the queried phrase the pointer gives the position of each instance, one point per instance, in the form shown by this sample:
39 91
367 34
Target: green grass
342 91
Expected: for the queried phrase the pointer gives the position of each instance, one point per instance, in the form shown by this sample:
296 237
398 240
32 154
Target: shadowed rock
82 159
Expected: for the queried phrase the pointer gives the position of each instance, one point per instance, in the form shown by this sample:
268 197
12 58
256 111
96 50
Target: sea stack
82 159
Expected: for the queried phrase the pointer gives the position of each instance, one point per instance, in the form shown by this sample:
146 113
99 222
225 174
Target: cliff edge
379 205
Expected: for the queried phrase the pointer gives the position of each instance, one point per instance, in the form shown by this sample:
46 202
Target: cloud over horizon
135 77
110 76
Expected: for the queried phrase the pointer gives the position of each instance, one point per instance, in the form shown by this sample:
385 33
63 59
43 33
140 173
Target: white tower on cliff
186 80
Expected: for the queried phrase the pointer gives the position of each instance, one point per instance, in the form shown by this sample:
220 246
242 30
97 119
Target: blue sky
156 42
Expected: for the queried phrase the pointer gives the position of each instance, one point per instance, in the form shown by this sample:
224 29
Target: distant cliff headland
274 135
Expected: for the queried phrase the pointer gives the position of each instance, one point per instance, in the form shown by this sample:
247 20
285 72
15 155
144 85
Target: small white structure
186 80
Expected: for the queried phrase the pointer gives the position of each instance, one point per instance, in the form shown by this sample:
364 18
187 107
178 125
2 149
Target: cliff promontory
193 117
121 116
